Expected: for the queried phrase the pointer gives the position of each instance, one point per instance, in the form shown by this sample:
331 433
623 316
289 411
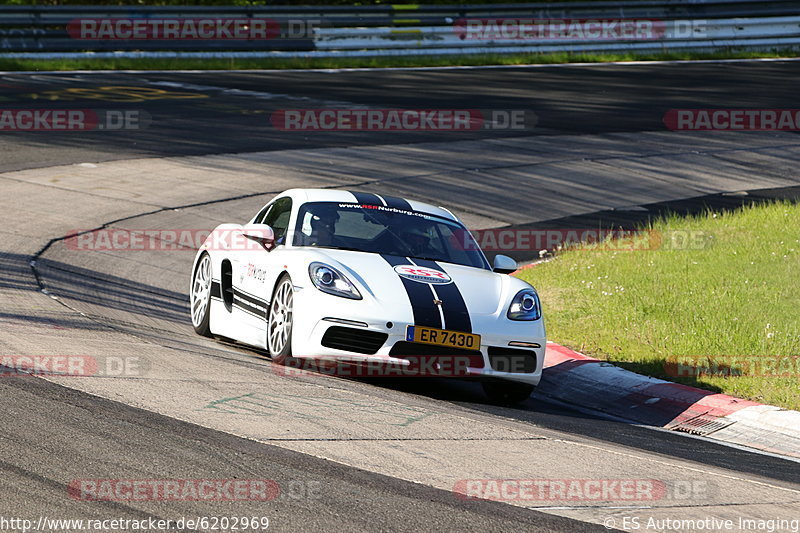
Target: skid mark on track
341 410
261 95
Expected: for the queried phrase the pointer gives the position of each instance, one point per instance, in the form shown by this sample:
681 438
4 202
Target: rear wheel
507 392
200 299
279 328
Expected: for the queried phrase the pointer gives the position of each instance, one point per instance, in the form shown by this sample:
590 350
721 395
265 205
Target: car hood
392 281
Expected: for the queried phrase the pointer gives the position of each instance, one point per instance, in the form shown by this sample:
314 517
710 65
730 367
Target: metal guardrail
346 31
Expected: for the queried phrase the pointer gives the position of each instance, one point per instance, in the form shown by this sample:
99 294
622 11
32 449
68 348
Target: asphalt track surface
230 111
51 433
59 422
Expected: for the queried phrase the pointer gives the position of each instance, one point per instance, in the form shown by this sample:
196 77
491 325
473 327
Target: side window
278 218
261 215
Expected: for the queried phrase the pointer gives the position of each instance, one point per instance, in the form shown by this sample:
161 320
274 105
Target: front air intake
354 340
512 360
416 351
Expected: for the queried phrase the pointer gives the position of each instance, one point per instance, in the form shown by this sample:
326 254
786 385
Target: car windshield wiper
341 248
429 258
445 261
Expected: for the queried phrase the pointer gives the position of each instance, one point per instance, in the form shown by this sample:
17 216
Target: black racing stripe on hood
454 308
397 203
366 198
426 313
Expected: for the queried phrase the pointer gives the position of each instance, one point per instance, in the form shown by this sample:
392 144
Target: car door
260 268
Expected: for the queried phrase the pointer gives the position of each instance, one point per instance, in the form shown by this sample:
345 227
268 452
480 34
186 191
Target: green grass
736 295
368 62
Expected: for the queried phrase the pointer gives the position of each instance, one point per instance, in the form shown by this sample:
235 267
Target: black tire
201 326
507 392
279 318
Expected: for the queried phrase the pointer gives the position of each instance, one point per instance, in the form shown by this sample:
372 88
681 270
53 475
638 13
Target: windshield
386 230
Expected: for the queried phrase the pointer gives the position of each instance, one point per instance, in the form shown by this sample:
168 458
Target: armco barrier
330 31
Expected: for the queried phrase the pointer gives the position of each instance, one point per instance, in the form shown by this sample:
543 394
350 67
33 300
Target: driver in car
323 226
417 241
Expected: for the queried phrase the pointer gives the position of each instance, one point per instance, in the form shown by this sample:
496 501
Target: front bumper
383 342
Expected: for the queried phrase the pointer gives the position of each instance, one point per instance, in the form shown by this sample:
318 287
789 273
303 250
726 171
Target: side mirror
260 233
504 264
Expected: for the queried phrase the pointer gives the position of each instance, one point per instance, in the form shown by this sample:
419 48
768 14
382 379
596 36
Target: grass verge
728 303
88 63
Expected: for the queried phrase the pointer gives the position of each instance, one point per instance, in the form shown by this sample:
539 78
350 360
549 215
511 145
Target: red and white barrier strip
589 383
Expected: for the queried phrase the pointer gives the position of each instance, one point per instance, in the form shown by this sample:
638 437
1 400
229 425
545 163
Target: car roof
335 195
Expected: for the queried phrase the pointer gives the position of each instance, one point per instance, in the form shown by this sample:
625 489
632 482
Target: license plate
443 337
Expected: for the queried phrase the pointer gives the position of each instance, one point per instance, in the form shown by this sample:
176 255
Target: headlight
525 306
328 279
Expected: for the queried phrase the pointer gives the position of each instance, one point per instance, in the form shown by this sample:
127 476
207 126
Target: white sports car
363 277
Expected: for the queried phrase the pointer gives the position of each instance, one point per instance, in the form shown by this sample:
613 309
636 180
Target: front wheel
200 298
507 392
279 328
